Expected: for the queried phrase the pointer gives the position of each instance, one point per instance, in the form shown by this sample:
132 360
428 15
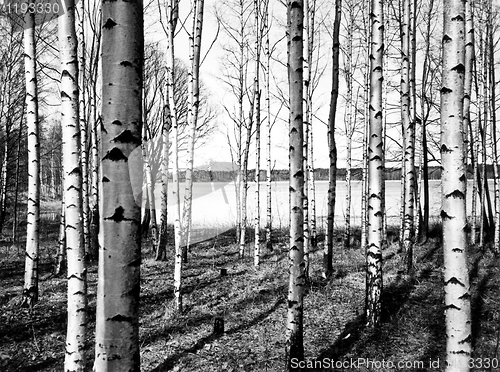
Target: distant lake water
214 203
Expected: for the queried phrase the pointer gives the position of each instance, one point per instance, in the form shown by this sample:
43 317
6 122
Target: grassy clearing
253 305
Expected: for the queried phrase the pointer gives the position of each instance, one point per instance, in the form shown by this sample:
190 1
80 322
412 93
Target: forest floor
252 303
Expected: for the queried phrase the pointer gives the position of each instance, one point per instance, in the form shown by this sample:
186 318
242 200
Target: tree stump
218 325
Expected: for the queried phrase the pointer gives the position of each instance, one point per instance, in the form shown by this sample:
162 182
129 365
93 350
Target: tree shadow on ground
216 261
478 296
48 362
412 310
158 274
193 322
430 254
476 255
19 324
21 329
351 334
160 298
355 339
200 285
14 271
169 363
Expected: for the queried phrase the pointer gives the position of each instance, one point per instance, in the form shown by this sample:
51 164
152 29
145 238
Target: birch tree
267 74
172 18
162 238
148 181
425 109
375 168
483 93
12 90
117 320
493 84
258 42
194 103
5 152
332 146
61 244
486 218
30 291
310 186
349 127
469 68
161 150
15 232
244 176
294 334
413 192
234 23
453 186
94 100
474 143
307 115
408 198
77 277
162 233
153 102
82 80
367 37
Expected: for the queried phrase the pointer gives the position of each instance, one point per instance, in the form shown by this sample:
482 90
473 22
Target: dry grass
252 304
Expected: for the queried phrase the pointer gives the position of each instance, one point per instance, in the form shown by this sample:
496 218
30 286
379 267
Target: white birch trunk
61 244
194 103
75 359
456 277
332 147
162 240
413 121
258 35
94 204
30 291
349 130
408 140
492 85
244 177
384 131
375 168
310 185
469 67
364 176
94 220
149 182
15 234
3 172
307 111
82 80
172 17
267 71
483 123
294 334
244 188
117 312
312 191
257 249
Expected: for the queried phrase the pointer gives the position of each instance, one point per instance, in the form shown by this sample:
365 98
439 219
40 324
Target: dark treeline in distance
320 174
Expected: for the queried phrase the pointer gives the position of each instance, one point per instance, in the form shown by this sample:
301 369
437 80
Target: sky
217 148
